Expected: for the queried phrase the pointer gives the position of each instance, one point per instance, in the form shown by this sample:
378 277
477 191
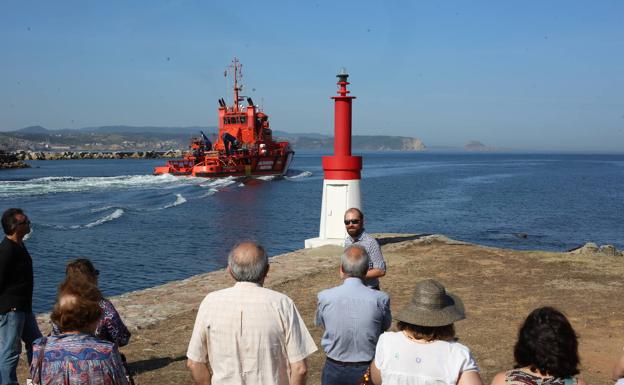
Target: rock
592 249
522 235
609 250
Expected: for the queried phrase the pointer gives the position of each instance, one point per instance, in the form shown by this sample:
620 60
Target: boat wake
179 200
302 174
210 192
266 178
216 183
117 213
69 184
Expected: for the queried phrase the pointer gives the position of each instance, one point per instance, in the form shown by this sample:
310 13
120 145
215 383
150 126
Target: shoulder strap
569 381
44 341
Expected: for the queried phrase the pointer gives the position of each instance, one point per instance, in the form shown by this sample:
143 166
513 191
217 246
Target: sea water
142 230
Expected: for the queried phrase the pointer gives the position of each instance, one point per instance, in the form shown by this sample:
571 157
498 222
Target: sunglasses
26 222
351 222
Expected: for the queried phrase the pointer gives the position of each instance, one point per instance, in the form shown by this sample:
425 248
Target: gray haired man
248 334
353 317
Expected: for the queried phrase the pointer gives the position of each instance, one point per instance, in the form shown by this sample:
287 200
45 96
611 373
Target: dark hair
74 312
547 342
81 268
428 333
9 222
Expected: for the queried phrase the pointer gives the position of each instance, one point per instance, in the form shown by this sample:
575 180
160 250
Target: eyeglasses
352 222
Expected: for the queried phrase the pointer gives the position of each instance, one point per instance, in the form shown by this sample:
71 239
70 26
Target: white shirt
405 362
249 334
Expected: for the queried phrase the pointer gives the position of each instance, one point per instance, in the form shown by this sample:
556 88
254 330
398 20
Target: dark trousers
15 327
339 374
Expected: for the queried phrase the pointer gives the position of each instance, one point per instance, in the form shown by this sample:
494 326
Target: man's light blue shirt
353 316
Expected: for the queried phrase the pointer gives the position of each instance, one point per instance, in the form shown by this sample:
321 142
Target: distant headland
159 139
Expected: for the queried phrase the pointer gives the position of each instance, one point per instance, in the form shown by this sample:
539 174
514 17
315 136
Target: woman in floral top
75 357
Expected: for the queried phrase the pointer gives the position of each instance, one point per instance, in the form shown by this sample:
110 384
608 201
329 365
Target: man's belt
360 363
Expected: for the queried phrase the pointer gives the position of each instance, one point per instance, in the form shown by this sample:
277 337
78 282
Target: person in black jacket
17 321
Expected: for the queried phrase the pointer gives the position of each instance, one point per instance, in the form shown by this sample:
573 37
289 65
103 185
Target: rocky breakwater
67 155
10 160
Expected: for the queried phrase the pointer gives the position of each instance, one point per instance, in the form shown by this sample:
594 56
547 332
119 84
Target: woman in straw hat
425 350
546 352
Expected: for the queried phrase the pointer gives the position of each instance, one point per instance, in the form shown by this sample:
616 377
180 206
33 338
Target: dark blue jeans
15 327
336 374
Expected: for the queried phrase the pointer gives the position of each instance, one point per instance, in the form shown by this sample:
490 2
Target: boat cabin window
235 120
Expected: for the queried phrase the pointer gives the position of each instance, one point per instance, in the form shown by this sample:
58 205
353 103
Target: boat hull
229 166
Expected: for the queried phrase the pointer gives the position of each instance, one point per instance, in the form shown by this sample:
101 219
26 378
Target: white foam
266 177
64 184
303 174
179 200
100 209
210 192
110 217
221 182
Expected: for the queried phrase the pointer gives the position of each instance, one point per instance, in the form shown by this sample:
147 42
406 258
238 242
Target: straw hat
431 306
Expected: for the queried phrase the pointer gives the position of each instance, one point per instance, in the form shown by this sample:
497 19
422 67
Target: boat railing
181 163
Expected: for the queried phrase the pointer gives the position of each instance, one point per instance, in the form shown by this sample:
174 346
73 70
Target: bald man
248 334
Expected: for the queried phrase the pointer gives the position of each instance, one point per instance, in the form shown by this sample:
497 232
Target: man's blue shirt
353 316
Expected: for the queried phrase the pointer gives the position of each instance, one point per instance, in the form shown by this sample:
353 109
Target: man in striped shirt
354 223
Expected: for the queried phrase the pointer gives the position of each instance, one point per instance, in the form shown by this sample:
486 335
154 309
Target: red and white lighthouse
341 185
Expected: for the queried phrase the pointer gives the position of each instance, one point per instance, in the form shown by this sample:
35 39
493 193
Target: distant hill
33 130
293 135
477 146
120 138
193 130
359 142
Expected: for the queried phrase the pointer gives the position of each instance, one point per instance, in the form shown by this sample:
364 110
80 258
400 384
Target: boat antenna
237 68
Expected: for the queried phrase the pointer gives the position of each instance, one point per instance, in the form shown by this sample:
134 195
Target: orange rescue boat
244 146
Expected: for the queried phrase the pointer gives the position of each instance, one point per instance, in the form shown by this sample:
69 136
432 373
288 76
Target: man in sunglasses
17 321
354 223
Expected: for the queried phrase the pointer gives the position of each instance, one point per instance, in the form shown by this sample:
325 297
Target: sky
526 75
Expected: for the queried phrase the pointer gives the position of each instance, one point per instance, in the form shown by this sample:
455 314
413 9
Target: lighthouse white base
338 196
318 242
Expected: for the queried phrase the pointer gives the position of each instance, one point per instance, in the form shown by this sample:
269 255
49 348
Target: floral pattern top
76 359
521 377
110 327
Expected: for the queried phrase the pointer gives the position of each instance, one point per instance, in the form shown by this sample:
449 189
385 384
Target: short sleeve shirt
402 361
376 259
250 335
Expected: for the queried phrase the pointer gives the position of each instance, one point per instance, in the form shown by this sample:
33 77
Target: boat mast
237 67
